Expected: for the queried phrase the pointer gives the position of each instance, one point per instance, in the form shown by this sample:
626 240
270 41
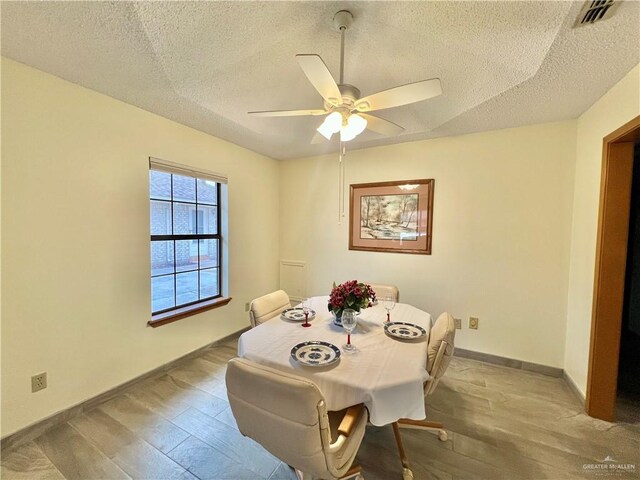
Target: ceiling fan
345 111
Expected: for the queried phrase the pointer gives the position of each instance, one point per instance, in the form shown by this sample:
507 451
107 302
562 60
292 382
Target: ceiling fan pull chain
342 30
340 183
341 180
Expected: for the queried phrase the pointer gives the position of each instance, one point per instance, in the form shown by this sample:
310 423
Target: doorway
628 397
610 272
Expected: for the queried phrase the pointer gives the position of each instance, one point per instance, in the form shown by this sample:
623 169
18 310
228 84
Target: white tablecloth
385 374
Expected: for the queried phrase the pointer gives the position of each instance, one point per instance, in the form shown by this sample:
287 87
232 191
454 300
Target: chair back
268 306
286 414
439 349
383 290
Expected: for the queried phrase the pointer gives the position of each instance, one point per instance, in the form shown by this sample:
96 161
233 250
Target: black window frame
197 236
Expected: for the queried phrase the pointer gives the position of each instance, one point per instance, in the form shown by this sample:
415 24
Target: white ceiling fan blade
320 77
287 113
395 97
382 126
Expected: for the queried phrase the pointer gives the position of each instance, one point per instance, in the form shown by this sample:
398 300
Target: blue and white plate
296 314
315 353
404 331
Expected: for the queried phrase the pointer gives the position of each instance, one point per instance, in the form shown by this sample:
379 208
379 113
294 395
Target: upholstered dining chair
440 347
288 416
268 306
384 290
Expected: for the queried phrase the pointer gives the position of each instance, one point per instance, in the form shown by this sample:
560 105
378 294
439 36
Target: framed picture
391 216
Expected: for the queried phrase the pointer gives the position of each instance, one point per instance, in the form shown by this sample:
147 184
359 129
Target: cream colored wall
501 232
75 244
614 109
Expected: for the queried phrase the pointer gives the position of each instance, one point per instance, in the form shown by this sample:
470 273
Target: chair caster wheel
407 474
442 435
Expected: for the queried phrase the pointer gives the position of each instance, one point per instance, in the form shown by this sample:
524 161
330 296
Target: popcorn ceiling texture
206 64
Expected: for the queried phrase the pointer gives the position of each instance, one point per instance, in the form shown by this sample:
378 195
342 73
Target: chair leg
407 474
434 427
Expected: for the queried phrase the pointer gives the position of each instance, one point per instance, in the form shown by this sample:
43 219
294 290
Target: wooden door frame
610 269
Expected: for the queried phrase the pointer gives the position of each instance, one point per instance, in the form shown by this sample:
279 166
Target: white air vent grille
293 279
596 10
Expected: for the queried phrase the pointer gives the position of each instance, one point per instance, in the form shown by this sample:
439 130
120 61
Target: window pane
184 218
209 253
186 255
207 192
207 219
160 185
161 258
187 287
184 188
209 283
162 293
160 218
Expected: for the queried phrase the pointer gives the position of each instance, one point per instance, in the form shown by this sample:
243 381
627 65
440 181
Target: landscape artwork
391 217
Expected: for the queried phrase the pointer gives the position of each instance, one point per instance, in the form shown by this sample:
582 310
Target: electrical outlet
473 322
39 382
458 322
246 307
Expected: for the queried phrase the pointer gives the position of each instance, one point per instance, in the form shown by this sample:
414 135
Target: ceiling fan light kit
345 110
355 125
349 126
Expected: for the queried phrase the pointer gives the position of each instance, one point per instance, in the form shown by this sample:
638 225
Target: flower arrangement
352 295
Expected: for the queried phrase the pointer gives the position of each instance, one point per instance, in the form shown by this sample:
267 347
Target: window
186 238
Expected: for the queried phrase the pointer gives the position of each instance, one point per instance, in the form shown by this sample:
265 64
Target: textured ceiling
206 64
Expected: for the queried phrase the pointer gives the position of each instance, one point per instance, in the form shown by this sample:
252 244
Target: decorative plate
296 314
404 331
315 353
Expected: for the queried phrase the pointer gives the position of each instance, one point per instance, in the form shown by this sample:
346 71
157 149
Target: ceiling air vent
595 10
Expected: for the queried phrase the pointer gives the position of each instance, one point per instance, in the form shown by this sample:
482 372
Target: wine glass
349 321
389 301
305 310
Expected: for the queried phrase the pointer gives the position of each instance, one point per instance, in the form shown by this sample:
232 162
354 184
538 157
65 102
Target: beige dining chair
288 416
439 352
383 290
268 306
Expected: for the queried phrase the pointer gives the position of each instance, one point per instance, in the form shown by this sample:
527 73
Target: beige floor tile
153 428
208 463
75 457
28 462
503 424
131 453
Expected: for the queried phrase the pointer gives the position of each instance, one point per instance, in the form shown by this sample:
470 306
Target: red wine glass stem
348 339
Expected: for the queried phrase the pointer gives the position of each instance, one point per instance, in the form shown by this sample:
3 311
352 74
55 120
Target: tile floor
503 423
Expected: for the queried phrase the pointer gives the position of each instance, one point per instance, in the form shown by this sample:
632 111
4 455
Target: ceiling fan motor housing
350 95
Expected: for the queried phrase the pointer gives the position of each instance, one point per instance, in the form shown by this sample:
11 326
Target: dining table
385 373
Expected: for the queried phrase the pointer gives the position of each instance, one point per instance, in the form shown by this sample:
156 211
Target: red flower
352 294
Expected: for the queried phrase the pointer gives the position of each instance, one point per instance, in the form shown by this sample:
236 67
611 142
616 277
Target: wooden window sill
180 313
